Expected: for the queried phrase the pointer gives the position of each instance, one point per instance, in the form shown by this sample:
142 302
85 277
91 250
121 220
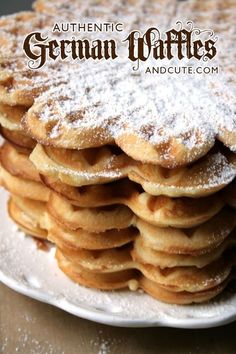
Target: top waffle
167 120
154 121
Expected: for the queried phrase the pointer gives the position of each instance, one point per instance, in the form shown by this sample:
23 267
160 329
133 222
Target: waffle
84 167
157 146
16 161
23 188
10 116
199 248
131 194
159 211
19 176
145 254
169 246
14 28
198 277
216 14
17 138
104 260
182 297
204 238
27 218
103 281
194 241
163 141
156 282
18 84
162 211
65 238
143 139
211 239
95 219
35 210
11 128
89 249
131 177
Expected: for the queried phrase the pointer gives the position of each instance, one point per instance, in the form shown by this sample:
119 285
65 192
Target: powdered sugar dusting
193 110
218 172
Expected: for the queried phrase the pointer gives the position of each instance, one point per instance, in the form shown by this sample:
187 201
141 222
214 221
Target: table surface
30 327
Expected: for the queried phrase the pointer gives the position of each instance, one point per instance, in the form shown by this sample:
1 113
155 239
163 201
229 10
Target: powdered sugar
219 172
158 109
195 110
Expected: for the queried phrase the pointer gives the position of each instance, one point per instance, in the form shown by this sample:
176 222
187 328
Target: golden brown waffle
14 28
145 254
173 285
149 208
207 243
142 253
131 194
160 211
23 187
35 210
106 261
26 217
100 123
17 138
204 238
16 161
182 297
81 167
104 281
11 128
190 279
193 241
27 212
19 85
84 167
104 270
94 219
161 141
205 177
74 240
18 174
10 116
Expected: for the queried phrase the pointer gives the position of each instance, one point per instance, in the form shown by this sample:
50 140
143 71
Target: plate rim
110 319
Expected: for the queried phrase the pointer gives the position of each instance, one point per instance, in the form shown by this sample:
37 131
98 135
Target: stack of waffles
131 176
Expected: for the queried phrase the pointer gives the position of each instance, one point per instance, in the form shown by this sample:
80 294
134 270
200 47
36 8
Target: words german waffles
179 42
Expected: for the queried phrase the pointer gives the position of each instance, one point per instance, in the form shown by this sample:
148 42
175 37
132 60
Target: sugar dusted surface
34 272
193 110
219 172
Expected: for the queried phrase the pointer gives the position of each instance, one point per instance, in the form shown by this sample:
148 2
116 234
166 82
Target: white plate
34 273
